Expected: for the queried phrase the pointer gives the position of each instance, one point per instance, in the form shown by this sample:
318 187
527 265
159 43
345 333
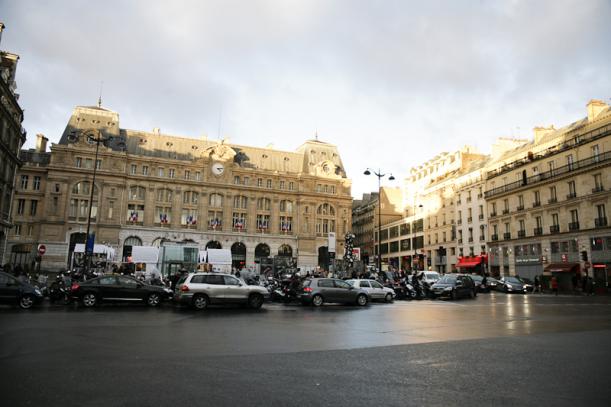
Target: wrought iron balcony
521 233
494 237
470 240
537 231
493 215
554 229
469 219
536 204
507 235
571 196
505 211
481 217
574 226
597 189
600 222
552 200
520 208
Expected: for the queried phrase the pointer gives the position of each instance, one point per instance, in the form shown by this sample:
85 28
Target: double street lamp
390 178
92 136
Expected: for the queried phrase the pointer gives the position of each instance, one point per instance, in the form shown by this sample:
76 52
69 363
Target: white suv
201 289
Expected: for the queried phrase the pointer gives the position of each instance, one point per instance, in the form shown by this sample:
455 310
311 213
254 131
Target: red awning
562 267
468 264
599 266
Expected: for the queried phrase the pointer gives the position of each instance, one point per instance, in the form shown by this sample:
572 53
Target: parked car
117 288
492 283
454 286
528 284
13 291
317 291
199 290
431 277
479 283
375 290
512 285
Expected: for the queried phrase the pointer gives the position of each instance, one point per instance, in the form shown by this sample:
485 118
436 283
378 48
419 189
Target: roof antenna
316 135
100 97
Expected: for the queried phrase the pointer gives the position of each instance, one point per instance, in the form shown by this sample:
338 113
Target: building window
574 216
325 219
215 200
598 183
164 195
269 183
246 181
111 207
198 176
240 202
145 170
236 180
263 222
135 213
24 182
171 173
36 184
595 153
569 162
17 229
88 163
98 164
33 207
54 205
190 197
79 204
79 162
57 187
259 182
133 169
20 206
291 186
555 219
187 174
239 221
188 217
163 215
552 194
215 220
520 202
160 172
281 185
332 189
286 224
264 204
137 193
286 206
572 191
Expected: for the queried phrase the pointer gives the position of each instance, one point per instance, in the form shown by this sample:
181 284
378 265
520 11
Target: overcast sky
391 83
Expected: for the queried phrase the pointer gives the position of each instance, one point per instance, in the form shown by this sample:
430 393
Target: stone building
12 137
548 201
151 188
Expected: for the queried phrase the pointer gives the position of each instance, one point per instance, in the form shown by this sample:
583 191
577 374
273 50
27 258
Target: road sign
42 249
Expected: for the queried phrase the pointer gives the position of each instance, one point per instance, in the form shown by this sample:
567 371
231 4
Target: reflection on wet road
293 328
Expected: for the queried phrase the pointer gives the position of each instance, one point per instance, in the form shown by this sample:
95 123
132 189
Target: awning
468 264
562 267
599 266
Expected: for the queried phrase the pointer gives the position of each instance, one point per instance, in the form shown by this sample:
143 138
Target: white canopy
145 254
97 249
219 256
203 256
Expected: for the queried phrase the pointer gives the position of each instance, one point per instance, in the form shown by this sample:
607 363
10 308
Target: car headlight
447 289
37 291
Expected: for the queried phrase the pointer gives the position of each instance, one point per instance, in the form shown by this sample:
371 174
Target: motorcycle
58 292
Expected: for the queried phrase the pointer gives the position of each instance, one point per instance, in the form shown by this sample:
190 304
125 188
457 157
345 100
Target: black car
454 286
13 291
118 288
512 285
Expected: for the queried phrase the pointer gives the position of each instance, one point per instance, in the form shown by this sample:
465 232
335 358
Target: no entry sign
42 249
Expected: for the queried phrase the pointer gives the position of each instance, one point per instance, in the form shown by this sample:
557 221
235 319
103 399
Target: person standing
555 285
537 285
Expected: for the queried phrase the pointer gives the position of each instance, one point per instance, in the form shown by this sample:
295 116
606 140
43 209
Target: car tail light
184 288
307 289
74 287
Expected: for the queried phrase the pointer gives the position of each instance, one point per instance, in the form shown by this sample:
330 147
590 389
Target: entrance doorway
238 255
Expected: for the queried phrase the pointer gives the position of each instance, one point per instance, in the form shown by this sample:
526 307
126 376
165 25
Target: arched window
238 255
82 188
137 193
240 202
213 244
128 245
264 204
164 195
215 200
261 251
325 220
285 251
286 206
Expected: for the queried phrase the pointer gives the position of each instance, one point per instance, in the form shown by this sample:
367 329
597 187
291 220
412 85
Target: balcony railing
494 237
597 189
493 215
505 211
481 217
506 236
537 231
468 199
554 229
458 202
600 222
459 241
520 208
521 233
482 238
470 240
571 196
555 173
536 204
574 226
459 222
469 219
479 196
552 200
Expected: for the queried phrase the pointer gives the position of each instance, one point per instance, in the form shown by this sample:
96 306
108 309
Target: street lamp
92 136
390 178
414 232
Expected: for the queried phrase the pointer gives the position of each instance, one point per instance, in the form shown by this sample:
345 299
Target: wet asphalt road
495 350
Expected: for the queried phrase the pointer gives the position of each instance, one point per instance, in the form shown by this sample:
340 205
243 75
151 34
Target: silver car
201 289
375 290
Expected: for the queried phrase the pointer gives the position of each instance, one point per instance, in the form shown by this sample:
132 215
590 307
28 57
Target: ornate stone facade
151 187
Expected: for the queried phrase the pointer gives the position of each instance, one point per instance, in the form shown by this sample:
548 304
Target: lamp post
414 231
92 136
390 178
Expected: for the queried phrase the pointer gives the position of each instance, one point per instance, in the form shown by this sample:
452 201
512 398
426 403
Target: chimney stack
41 143
541 132
1 29
595 106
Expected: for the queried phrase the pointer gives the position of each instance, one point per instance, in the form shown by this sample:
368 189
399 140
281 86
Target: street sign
356 252
42 249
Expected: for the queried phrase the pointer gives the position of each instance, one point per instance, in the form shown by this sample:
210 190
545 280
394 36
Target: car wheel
255 301
362 300
26 301
89 300
317 300
388 297
200 302
153 300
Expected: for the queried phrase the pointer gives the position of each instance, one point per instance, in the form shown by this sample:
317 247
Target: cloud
392 83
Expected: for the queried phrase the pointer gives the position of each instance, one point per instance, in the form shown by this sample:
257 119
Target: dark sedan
13 291
512 285
317 291
454 286
118 288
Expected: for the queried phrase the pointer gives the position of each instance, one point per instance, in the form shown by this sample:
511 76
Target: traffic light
584 255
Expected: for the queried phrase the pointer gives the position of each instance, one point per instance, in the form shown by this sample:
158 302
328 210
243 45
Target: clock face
218 168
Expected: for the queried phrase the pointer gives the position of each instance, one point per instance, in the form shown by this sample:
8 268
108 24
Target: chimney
595 106
541 132
41 143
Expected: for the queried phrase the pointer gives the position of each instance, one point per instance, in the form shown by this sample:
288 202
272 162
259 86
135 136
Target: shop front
472 264
564 273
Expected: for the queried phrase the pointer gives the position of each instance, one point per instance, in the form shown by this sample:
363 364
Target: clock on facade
218 168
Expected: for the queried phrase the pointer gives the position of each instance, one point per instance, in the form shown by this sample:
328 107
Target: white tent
97 249
219 257
203 256
145 254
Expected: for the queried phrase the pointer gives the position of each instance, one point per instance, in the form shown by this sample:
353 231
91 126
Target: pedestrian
537 285
555 285
575 281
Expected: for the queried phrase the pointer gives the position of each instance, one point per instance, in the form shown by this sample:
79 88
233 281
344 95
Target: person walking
555 285
537 285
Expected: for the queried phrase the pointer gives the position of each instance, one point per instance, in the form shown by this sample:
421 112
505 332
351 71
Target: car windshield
447 280
512 280
432 276
477 278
